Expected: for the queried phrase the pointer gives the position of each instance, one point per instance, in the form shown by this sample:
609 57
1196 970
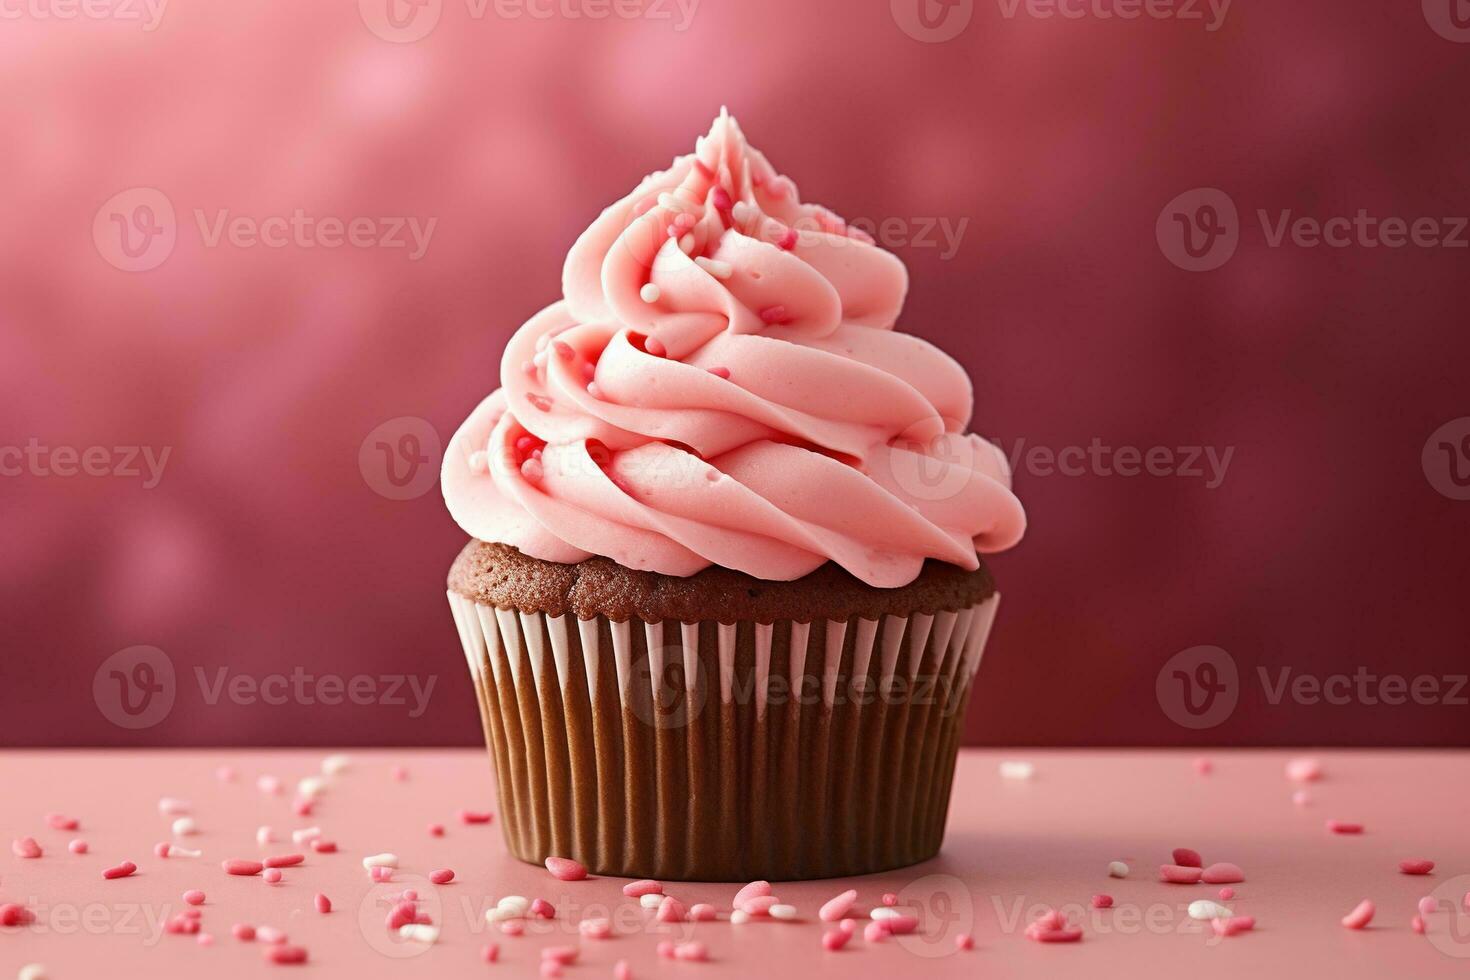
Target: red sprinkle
542 909
1416 866
324 846
835 940
12 914
565 869
285 954
161 849
964 941
437 829
194 897
1417 924
240 866
443 876
476 816
1340 827
1102 901
1186 857
490 952
120 871
876 931
243 932
565 955
57 821
284 860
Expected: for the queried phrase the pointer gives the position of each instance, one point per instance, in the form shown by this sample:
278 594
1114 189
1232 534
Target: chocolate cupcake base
719 750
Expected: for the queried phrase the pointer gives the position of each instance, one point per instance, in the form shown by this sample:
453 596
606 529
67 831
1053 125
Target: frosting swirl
722 385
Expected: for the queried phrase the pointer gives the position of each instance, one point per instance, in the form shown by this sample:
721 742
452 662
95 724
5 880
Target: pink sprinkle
1102 901
595 928
673 910
286 954
890 899
323 903
225 774
622 971
77 846
837 907
400 774
57 821
243 932
205 939
759 905
565 955
643 886
1178 875
702 912
512 927
836 939
1305 770
665 948
442 876
964 941
901 925
284 860
542 909
381 874
774 314
1417 924
1226 894
1232 925
1203 766
1416 866
272 876
437 829
302 807
26 847
753 890
1340 827
1055 935
848 925
194 897
720 372
324 846
787 241
409 895
655 347
694 952
490 952
402 914
161 849
1186 857
1223 873
240 866
1301 798
876 932
1360 916
1428 905
120 870
551 968
565 869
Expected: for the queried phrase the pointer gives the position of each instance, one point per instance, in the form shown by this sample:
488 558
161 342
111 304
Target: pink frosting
722 385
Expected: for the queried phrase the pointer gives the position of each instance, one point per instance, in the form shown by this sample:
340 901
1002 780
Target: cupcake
724 601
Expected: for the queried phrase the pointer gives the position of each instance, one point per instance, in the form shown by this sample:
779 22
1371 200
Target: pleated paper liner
713 752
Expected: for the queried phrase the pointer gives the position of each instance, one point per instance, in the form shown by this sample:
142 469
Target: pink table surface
1012 848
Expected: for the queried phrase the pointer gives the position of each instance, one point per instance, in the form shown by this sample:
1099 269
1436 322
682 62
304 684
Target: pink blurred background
1026 162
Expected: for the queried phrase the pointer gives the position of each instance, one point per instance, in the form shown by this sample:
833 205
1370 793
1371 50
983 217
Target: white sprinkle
384 860
269 785
32 971
1206 909
1017 770
175 850
786 912
311 787
170 807
305 834
514 904
650 901
650 293
716 268
419 933
886 912
264 835
495 915
1117 869
336 765
739 917
184 826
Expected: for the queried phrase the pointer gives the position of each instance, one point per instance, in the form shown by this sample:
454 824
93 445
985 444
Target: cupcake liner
723 752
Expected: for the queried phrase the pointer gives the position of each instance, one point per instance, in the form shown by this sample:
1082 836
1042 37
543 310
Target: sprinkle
170 807
380 874
1417 924
282 955
442 876
622 971
1188 858
514 905
1206 909
272 876
901 925
671 910
1117 869
964 941
324 846
1102 901
26 847
176 850
786 913
693 952
32 971
1226 894
436 830
270 935
889 898
566 869
651 901
1017 770
752 890
665 949
335 765
323 903
1301 797
1176 875
773 314
512 927
241 866
399 774
1416 866
1340 827
284 860
1222 873
193 897
564 350
759 905
685 221
595 928
835 939
565 955
120 871
787 241
650 293
269 785
490 952
702 912
13 914
739 918
716 268
243 932
643 886
264 835
1304 770
1233 924
77 846
302 806
205 939
848 925
1203 766
310 787
1428 905
403 913
876 932
305 835
58 821
836 908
